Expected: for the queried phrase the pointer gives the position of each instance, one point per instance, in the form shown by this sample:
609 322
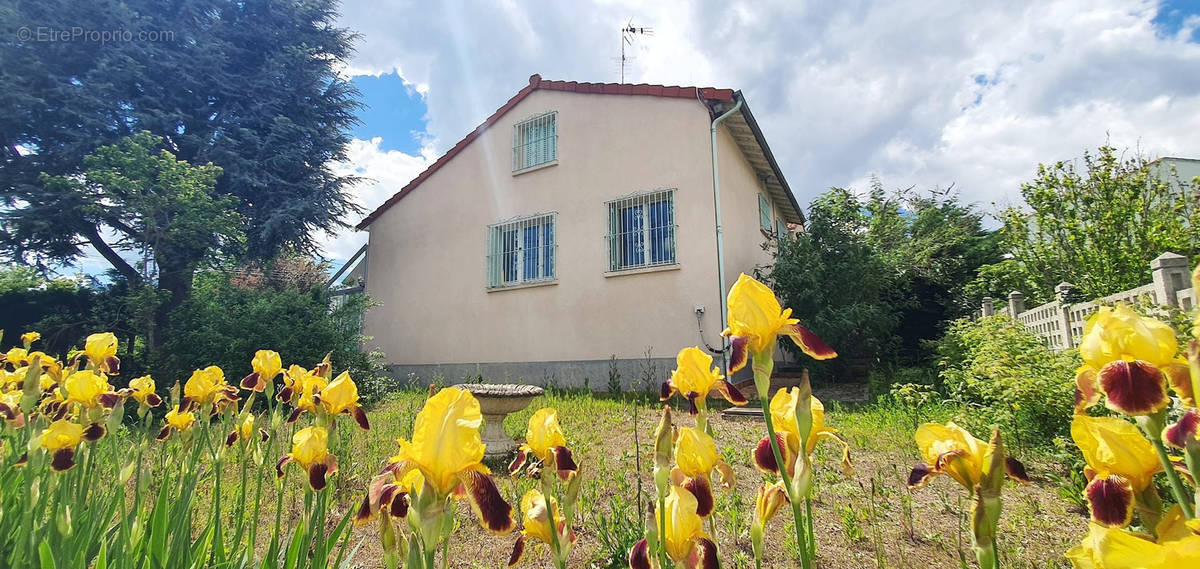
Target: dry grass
870 520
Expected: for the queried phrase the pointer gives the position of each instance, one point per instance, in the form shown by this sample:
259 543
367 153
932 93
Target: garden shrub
222 322
1007 377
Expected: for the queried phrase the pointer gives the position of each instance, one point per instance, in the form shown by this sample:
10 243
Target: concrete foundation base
631 374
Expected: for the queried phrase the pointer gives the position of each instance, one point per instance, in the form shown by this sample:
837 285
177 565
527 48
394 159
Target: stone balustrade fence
1060 323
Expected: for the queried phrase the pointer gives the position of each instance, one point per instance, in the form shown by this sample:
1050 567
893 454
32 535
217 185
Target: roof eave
748 116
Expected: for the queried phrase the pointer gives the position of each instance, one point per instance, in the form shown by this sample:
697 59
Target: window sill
522 285
642 270
535 168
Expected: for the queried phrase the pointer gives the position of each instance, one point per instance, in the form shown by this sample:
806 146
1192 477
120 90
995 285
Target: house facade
572 232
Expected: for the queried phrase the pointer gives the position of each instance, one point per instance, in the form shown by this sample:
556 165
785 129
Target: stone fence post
988 307
1171 275
1016 304
1062 291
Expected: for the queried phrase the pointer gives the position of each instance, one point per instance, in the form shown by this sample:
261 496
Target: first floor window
521 251
535 141
764 213
641 230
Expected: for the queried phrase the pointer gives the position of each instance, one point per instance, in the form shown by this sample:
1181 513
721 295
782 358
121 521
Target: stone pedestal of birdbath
496 401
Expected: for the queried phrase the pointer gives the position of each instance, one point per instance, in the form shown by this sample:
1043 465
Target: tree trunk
178 282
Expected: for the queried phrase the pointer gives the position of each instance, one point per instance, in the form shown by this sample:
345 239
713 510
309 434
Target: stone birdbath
496 401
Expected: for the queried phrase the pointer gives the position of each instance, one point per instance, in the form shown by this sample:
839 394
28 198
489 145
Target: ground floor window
521 251
641 230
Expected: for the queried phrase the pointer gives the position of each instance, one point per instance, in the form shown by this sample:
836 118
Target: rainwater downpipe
720 243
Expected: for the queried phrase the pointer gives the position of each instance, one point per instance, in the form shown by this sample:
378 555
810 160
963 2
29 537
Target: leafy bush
222 322
878 275
1006 376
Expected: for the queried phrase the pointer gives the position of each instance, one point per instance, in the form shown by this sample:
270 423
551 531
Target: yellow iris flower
310 449
446 441
1129 359
101 350
87 388
979 467
309 386
545 446
179 420
61 438
951 450
544 434
536 524
341 396
208 386
683 535
756 319
62 434
796 455
310 445
695 378
1118 333
447 450
244 431
1111 548
142 390
1121 465
768 501
29 338
266 364
17 357
696 458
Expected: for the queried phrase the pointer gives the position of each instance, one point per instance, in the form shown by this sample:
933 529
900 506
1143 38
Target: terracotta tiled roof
536 82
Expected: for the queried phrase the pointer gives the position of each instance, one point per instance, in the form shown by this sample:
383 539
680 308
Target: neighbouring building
1179 172
579 226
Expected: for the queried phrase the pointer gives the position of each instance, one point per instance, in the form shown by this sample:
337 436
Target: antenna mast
627 34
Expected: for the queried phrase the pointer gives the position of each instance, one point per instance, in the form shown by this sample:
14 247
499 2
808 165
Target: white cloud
384 172
917 93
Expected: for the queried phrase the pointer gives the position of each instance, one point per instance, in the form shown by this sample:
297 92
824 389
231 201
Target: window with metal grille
764 213
521 251
535 141
641 230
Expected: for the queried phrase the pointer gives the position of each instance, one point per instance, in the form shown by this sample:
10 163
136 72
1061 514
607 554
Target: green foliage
884 378
60 310
834 282
251 86
156 201
1006 377
159 208
19 279
878 275
222 323
1097 227
933 245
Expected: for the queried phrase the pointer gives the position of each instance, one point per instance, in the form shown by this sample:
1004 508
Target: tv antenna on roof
627 34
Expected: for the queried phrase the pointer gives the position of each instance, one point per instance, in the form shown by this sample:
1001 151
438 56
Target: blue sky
392 110
1172 15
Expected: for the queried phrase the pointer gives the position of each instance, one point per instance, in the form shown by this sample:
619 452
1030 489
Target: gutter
720 243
